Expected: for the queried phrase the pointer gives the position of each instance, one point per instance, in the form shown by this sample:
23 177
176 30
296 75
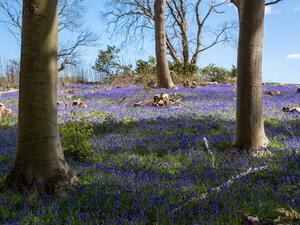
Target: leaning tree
162 64
40 165
250 132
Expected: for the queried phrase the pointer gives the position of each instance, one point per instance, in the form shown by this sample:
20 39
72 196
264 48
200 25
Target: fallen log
61 104
272 93
219 188
80 103
189 84
4 111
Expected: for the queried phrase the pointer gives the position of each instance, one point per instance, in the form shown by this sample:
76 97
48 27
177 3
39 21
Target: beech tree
238 3
188 30
162 64
250 132
40 165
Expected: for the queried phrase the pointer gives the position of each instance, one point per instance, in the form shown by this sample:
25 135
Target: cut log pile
4 111
190 84
163 99
76 102
80 103
272 93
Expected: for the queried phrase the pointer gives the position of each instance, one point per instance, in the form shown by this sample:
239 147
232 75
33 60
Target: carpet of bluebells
147 161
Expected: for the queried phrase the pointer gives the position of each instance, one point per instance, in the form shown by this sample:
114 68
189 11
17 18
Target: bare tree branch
237 3
70 21
184 24
273 2
84 38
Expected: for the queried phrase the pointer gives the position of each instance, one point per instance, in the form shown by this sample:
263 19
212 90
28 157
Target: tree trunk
237 4
250 131
40 165
185 44
162 66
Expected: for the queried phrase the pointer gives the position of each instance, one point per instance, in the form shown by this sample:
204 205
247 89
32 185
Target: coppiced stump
162 65
250 131
40 166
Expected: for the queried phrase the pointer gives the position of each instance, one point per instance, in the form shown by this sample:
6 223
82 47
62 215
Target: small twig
289 130
212 157
218 189
139 103
123 99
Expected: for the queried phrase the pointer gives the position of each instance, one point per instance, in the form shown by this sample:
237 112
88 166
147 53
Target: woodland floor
148 161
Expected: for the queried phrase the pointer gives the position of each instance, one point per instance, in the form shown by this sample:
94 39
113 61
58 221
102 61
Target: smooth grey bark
40 165
250 131
185 45
162 65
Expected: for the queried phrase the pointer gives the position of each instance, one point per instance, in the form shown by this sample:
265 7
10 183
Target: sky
281 55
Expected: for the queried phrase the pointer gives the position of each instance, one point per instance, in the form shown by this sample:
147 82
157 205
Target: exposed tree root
250 151
57 185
